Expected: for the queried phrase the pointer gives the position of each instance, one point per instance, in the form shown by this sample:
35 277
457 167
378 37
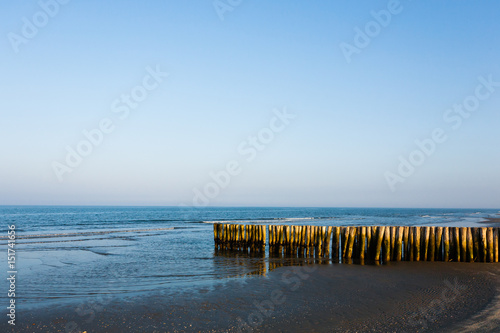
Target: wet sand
400 297
493 222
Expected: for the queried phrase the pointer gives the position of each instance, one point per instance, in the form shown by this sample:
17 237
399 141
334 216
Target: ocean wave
273 220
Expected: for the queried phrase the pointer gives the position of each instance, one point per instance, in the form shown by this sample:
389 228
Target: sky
250 103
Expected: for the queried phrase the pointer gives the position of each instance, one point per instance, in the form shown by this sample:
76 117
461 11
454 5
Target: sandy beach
400 297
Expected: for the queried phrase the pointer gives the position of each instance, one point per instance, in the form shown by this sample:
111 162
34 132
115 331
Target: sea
76 254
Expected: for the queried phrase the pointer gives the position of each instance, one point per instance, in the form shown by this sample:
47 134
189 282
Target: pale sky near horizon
306 103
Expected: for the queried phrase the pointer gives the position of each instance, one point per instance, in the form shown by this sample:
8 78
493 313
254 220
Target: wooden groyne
372 243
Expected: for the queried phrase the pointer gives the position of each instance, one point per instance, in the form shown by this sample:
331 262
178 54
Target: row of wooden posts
377 243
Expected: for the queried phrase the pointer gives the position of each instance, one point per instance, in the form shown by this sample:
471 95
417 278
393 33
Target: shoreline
403 296
491 221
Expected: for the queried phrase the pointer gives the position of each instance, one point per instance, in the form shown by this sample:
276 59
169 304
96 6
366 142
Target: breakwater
373 243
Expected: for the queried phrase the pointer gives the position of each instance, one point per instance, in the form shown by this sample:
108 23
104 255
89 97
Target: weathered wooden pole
276 235
352 236
335 244
368 242
416 242
398 251
321 236
374 241
362 243
405 255
271 235
307 239
476 242
439 243
425 246
456 243
411 243
446 244
234 235
432 244
303 230
484 246
314 241
387 245
255 234
470 245
237 236
327 241
345 240
227 235
496 244
216 240
463 244
380 238
264 236
393 242
491 257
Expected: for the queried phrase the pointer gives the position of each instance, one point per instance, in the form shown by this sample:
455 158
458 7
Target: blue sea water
69 254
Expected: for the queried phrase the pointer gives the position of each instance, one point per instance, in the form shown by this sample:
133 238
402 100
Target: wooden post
432 244
296 235
393 242
374 241
335 244
470 246
495 244
352 236
476 238
490 245
379 238
411 243
239 235
256 236
386 247
425 244
264 234
399 243
226 234
456 236
439 244
276 235
368 242
286 236
416 241
327 241
345 240
405 254
463 244
215 233
362 243
446 244
272 235
484 247
321 236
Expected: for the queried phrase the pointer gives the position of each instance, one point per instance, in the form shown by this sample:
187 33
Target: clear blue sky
226 80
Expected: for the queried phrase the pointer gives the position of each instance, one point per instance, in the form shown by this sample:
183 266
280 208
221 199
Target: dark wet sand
400 297
492 221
